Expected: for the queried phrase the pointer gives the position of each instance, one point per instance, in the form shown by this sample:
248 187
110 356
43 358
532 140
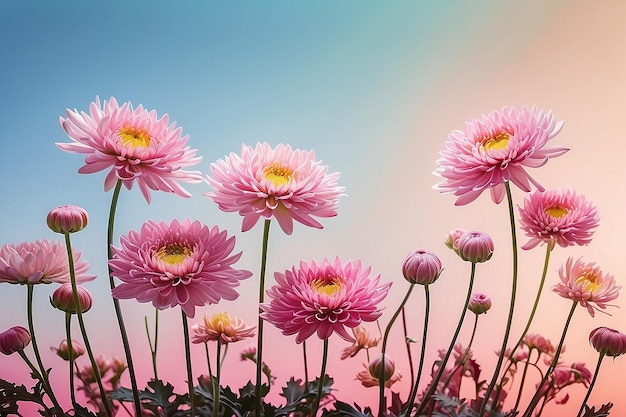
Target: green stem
321 380
509 321
216 385
442 367
259 348
37 374
535 400
188 363
116 303
306 367
408 345
593 382
153 348
208 360
83 329
521 385
381 376
31 328
416 381
464 358
68 335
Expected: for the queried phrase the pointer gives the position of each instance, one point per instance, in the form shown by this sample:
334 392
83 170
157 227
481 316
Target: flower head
495 149
282 183
558 217
183 263
586 284
63 351
475 247
479 303
421 267
363 340
323 298
608 341
63 299
14 339
223 327
370 377
134 144
452 238
67 219
40 262
540 343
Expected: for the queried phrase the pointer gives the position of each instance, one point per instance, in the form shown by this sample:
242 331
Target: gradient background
374 88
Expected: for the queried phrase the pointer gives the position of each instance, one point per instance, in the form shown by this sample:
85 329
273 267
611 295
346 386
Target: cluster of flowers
187 264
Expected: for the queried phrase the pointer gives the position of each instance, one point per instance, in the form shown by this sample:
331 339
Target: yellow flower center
496 143
556 211
590 281
326 286
137 138
174 254
278 173
217 322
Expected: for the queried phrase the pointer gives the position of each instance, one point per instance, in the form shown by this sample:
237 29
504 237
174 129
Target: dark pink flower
40 262
134 144
558 217
475 247
67 219
608 341
494 149
421 267
586 284
14 339
63 299
282 183
223 327
324 298
183 263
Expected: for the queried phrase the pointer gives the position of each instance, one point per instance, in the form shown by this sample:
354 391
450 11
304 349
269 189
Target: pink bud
609 341
479 303
64 349
14 340
475 247
63 298
67 219
375 367
452 237
421 267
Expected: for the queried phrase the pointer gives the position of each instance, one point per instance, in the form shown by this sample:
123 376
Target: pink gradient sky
375 92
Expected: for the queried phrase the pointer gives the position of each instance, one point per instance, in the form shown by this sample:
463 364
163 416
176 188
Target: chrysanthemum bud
475 247
421 267
479 303
63 299
63 350
67 219
609 341
376 364
14 340
452 237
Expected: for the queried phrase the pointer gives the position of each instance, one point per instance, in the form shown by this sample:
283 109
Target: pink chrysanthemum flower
134 144
558 217
586 284
223 327
183 263
363 340
494 149
282 183
40 262
324 298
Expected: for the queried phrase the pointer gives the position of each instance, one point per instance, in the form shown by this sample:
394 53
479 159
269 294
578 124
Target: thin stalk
188 363
208 360
381 377
442 367
465 356
321 380
306 367
38 375
83 329
216 385
535 400
68 335
593 382
153 348
408 345
31 328
521 385
509 321
259 347
116 303
416 382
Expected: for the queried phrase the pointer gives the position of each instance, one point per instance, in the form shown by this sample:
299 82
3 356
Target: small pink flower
475 247
248 354
479 303
14 339
495 149
324 298
183 263
586 284
558 217
282 183
63 351
608 341
67 219
421 267
63 299
363 340
370 377
537 341
223 327
451 239
134 144
40 262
